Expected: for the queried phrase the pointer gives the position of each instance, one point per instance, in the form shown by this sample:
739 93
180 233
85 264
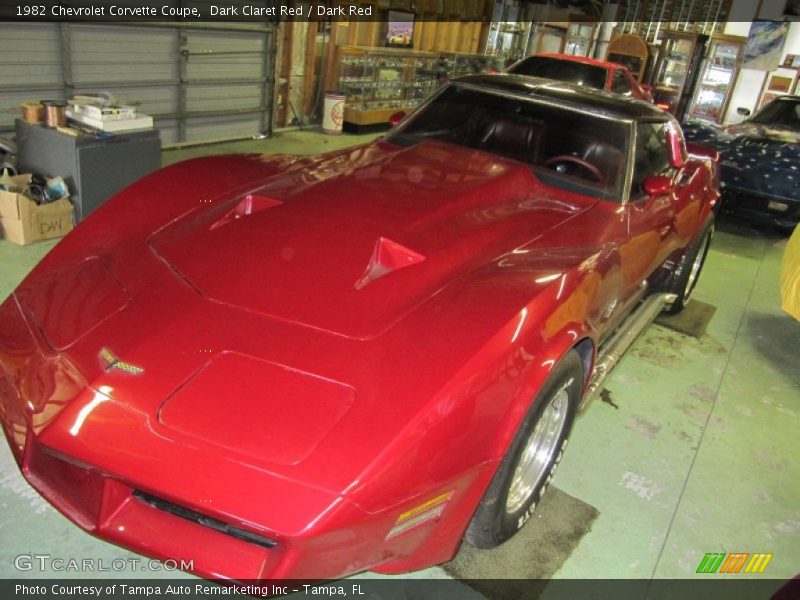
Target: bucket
333 113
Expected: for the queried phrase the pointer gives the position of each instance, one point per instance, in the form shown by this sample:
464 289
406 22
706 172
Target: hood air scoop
248 205
388 256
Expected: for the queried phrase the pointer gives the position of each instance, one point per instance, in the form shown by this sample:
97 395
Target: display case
676 72
510 31
378 82
580 38
461 63
717 78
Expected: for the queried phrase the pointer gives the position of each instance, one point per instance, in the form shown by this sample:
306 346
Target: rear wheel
686 274
531 460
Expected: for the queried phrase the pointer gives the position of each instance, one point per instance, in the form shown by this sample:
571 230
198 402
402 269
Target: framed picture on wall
779 82
400 30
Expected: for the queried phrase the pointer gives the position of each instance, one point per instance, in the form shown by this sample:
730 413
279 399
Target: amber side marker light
427 511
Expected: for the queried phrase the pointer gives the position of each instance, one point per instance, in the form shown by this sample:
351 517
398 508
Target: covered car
305 367
582 70
759 162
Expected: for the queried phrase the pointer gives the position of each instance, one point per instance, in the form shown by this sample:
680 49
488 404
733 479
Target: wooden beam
284 73
311 65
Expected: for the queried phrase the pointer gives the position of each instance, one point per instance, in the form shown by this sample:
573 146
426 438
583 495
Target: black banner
703 587
261 11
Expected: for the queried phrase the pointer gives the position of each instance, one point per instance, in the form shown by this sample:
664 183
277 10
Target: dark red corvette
285 367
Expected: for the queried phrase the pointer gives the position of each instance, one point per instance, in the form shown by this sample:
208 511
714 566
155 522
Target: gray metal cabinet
95 169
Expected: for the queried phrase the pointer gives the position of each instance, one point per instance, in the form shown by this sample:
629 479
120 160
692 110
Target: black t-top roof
594 101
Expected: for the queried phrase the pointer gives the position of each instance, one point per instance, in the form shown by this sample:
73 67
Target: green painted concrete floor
698 455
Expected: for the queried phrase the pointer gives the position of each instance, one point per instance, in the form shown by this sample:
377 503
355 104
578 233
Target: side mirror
396 118
657 185
745 112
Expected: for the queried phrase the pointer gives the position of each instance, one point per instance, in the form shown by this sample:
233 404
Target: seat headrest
511 138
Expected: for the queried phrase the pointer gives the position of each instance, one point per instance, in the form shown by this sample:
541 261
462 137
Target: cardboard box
23 222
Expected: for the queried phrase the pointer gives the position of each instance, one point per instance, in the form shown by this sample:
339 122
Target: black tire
499 516
684 278
785 230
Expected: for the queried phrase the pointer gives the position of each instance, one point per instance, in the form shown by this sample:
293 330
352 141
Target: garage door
201 83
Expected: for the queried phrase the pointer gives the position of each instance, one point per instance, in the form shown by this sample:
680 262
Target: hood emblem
111 362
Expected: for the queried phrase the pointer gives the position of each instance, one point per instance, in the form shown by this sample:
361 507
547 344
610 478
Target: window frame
671 168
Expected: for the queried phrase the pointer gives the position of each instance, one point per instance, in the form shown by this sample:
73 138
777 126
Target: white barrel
333 113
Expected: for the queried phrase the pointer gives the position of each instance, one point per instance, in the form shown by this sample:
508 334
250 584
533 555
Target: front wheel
531 460
686 274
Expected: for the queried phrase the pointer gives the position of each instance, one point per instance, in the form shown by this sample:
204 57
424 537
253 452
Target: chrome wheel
697 264
539 452
526 469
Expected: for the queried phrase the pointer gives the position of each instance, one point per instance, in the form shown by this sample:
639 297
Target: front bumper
760 209
762 188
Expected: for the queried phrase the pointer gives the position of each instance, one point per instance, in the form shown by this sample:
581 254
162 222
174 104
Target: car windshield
779 113
562 70
565 148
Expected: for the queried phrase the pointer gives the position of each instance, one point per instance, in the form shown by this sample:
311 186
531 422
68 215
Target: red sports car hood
351 245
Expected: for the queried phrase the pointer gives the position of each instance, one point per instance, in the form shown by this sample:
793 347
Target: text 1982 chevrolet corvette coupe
290 367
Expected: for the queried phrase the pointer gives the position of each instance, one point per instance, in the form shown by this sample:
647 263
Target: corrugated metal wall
200 83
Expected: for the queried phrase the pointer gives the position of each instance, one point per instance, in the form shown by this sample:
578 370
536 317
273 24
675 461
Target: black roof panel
595 101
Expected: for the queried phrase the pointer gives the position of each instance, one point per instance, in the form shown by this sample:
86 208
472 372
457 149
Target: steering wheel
585 164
